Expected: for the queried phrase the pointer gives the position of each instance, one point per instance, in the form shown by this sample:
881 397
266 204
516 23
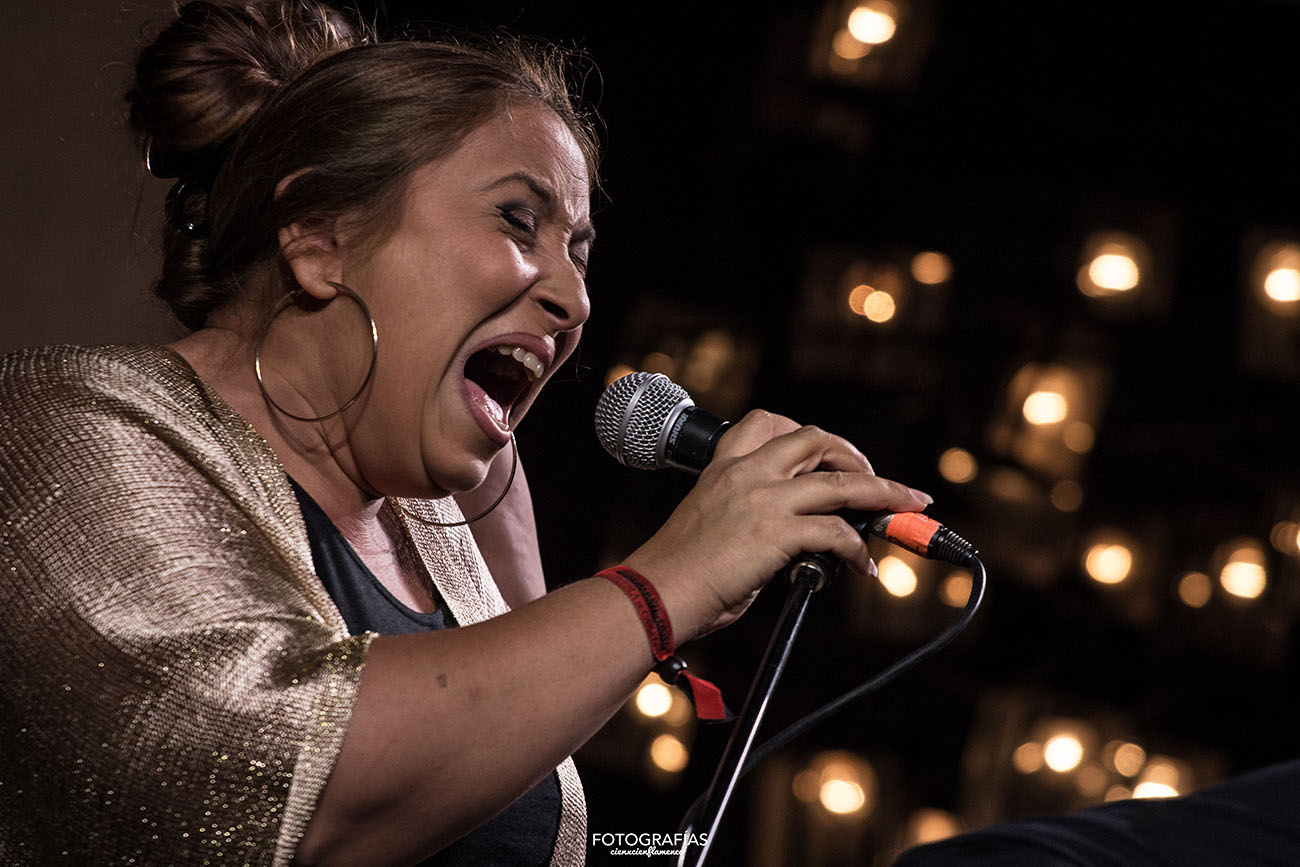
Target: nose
562 294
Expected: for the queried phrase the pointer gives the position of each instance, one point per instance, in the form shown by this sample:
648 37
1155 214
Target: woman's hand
766 497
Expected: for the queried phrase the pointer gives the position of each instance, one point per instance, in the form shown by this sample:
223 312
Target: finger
834 535
825 492
810 448
756 428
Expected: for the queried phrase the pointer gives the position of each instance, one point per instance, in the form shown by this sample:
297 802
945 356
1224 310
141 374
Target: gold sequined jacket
175 682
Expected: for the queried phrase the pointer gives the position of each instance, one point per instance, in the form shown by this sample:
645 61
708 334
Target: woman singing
244 619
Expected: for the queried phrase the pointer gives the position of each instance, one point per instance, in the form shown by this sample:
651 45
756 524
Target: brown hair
233 98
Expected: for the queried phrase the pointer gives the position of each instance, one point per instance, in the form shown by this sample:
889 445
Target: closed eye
521 218
581 244
581 255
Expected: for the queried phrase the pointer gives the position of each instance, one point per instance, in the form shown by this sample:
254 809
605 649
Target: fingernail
872 571
922 496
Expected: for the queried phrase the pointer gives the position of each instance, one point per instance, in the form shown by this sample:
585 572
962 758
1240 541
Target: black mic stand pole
807 574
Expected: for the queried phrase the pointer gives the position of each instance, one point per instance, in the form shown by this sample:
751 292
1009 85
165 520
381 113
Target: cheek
416 364
464 295
404 444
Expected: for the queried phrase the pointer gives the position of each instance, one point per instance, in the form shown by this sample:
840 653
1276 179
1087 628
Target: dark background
733 171
739 181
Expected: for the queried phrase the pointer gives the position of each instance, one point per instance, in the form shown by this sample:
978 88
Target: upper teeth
523 356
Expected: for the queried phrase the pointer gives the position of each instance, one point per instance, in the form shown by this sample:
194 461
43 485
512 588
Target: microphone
648 422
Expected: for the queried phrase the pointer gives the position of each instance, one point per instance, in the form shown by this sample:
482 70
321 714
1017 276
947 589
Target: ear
311 251
312 255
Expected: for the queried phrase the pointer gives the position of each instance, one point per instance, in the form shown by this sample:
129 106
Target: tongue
497 382
492 408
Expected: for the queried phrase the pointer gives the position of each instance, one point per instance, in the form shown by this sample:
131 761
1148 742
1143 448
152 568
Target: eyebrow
584 232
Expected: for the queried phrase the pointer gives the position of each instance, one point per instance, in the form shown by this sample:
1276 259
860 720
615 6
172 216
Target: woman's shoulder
126 415
65 381
81 395
89 367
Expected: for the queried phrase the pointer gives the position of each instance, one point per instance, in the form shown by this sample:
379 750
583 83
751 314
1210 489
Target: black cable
978 581
930 648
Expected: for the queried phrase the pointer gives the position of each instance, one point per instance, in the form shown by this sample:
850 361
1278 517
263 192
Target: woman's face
479 295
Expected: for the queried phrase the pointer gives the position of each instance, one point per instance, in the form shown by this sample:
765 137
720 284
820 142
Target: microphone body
647 421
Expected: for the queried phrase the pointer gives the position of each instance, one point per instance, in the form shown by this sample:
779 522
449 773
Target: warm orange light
1127 758
1279 265
1108 562
1163 777
844 784
1154 790
858 298
1285 537
669 754
707 361
928 825
1283 284
874 22
1195 589
1063 752
1091 781
1028 758
1119 793
1244 580
806 785
897 577
958 466
659 362
845 45
931 268
1244 574
879 306
1113 264
955 590
1114 271
1045 407
616 373
1079 437
1011 484
842 796
1163 771
1067 495
653 699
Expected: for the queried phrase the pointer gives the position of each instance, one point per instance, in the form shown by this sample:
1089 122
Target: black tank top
524 833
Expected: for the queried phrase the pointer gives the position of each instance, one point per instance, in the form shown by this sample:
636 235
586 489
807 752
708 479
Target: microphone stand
807 574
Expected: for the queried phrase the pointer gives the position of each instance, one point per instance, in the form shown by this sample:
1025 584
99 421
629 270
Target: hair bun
215 65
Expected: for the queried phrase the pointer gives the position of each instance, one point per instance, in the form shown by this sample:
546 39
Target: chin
456 480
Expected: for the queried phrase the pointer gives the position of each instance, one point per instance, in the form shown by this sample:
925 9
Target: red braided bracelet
671 668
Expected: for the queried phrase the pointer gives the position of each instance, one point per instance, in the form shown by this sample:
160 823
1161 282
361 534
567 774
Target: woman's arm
450 727
507 536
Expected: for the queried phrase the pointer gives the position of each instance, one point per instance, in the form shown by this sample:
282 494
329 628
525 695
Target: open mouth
504 374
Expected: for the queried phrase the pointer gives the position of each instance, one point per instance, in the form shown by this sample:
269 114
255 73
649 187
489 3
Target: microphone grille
631 415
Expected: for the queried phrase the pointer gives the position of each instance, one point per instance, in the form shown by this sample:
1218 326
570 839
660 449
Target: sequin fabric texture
176 681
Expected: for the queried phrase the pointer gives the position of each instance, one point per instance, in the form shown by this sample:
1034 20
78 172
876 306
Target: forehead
516 143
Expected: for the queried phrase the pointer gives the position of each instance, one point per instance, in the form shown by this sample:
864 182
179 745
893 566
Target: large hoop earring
514 465
370 372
